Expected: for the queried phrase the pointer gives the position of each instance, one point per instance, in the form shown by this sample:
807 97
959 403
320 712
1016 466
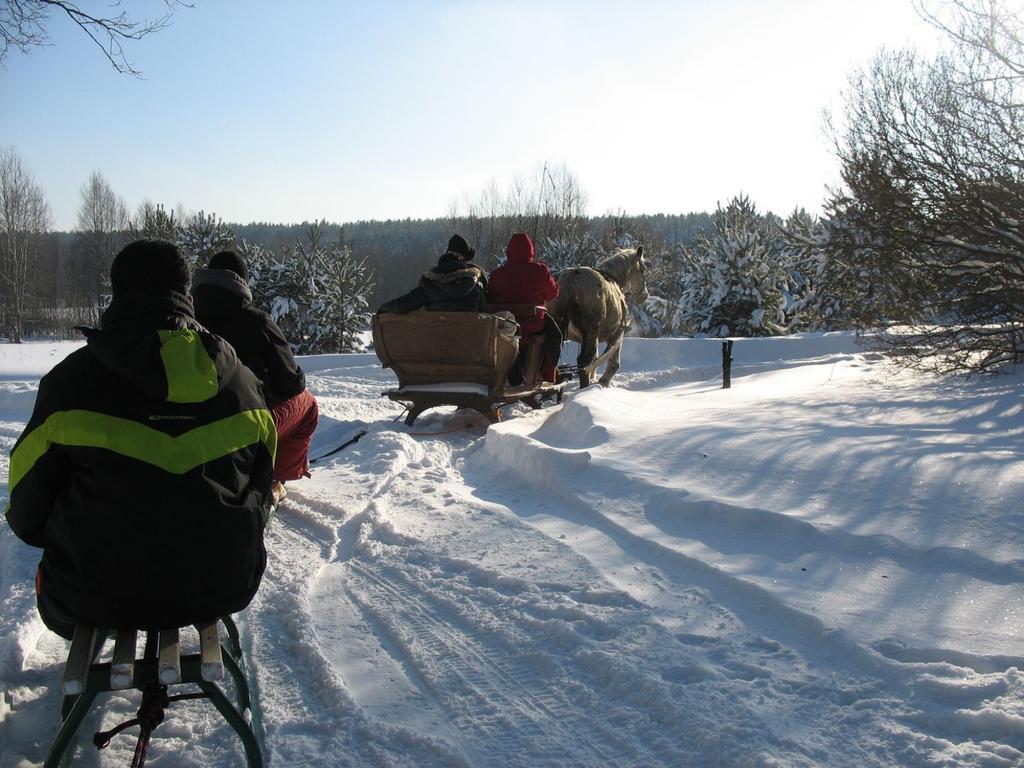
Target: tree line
293 267
922 242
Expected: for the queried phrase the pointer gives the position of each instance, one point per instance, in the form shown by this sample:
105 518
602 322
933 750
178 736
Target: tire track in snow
449 658
295 688
300 690
631 700
427 634
332 526
390 698
439 651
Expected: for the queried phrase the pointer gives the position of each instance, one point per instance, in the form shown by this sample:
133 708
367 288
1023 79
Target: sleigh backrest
436 348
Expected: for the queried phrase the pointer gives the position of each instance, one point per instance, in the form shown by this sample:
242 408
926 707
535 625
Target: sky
285 112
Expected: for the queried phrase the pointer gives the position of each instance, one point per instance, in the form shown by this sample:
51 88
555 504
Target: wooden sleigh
461 359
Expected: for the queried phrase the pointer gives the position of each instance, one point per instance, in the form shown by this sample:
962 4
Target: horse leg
588 351
613 362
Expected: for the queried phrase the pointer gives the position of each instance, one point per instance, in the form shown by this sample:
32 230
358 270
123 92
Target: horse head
627 268
635 283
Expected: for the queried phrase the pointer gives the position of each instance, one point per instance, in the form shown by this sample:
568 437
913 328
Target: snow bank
819 566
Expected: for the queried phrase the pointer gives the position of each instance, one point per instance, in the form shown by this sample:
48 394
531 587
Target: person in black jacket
454 285
224 305
144 472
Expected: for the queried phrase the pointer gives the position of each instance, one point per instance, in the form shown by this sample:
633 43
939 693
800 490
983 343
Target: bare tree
550 206
981 30
102 224
932 210
563 205
23 27
24 219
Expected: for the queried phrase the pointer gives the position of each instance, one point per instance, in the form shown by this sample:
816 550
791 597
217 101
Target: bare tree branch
930 217
23 27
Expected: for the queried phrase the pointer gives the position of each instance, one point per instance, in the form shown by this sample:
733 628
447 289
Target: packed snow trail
821 566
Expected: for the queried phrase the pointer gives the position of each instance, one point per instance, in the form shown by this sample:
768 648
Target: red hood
520 249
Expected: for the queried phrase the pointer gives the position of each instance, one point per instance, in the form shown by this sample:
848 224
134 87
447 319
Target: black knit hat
230 260
459 245
150 265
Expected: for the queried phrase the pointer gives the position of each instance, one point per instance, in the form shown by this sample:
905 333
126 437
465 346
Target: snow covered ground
819 566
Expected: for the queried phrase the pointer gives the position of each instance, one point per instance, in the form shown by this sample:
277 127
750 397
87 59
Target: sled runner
460 359
160 666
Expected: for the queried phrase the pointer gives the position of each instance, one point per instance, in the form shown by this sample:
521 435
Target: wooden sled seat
161 664
450 358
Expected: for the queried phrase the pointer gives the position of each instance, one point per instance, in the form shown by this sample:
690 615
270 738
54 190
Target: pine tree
317 294
832 288
153 221
200 236
667 273
736 281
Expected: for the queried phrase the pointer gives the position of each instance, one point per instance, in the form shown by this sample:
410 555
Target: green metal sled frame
75 707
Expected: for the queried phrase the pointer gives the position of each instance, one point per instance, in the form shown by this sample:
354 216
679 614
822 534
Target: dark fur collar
462 271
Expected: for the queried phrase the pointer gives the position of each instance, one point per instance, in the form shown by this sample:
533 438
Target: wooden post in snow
727 364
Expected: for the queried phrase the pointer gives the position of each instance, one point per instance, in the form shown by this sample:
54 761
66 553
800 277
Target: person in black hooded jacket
224 305
454 285
144 472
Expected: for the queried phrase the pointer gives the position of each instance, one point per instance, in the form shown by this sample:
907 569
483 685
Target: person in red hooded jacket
521 280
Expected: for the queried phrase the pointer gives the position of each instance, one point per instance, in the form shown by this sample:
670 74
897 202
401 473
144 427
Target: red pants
295 420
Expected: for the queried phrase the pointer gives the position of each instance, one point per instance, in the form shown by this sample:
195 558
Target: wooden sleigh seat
160 666
455 358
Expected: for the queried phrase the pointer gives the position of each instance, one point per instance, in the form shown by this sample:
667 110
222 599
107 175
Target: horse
591 307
